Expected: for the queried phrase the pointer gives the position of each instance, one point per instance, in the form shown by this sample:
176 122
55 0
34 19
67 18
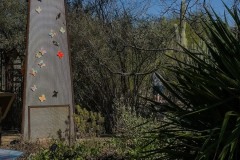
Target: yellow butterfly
38 55
42 98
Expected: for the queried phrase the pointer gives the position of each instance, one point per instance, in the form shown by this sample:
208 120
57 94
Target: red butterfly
60 54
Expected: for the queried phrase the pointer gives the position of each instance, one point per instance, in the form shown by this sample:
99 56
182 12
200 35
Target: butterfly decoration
38 55
33 72
55 43
55 93
34 88
42 51
62 30
42 98
60 54
41 64
38 9
58 16
52 33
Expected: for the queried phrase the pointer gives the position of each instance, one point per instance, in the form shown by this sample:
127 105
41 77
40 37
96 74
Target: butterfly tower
48 92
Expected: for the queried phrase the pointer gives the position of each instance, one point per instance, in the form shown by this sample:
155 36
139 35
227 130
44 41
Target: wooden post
48 94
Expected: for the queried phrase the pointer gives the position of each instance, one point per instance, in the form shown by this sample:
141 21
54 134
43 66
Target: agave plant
206 123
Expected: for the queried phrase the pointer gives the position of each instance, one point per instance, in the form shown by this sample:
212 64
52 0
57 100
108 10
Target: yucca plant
206 123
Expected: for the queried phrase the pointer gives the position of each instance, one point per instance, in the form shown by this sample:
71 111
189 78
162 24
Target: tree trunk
183 39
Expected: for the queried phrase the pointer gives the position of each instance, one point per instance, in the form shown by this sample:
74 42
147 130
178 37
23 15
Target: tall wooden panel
48 82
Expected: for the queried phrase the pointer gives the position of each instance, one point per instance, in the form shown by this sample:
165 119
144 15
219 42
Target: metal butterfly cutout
42 98
55 93
42 51
38 55
62 30
33 72
58 16
38 9
60 54
41 64
55 43
34 88
52 33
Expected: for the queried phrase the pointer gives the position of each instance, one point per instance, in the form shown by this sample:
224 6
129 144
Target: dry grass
16 142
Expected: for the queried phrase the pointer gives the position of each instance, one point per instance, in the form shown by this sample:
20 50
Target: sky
167 8
157 6
218 5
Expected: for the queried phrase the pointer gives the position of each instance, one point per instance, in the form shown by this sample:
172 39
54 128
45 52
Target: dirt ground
14 141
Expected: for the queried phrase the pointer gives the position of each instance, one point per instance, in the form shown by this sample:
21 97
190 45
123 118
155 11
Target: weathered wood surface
56 74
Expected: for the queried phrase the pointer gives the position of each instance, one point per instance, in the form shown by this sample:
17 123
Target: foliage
13 26
132 131
88 149
88 123
13 22
60 151
205 125
126 144
113 58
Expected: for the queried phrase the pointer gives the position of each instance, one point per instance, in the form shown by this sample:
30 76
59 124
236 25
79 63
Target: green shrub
88 123
60 151
206 124
86 149
132 132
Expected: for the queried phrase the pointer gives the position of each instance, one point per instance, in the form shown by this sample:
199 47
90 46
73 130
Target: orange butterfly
42 98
